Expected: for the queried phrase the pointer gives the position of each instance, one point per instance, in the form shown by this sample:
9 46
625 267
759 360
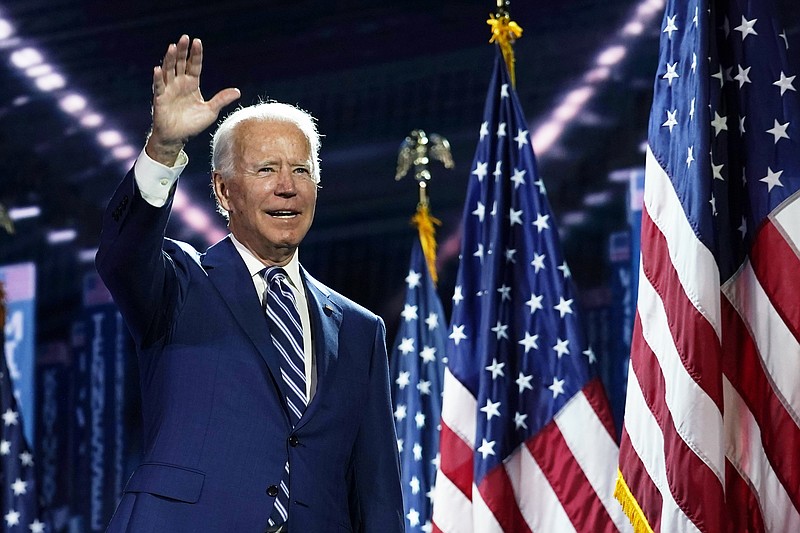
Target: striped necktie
287 336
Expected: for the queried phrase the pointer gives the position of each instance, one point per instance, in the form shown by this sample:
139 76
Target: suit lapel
228 273
230 276
326 319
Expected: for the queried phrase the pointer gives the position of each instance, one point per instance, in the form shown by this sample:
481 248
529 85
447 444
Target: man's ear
220 189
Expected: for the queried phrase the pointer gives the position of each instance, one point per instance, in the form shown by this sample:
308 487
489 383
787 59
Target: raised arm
179 110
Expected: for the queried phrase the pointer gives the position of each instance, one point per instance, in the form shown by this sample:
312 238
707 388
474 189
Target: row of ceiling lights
47 79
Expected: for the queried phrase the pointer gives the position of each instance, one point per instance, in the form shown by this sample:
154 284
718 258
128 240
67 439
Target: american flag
527 436
711 438
417 364
18 504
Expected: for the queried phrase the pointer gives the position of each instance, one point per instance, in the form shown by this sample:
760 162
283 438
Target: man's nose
285 184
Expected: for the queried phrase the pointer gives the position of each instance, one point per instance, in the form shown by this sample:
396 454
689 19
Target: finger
158 82
183 49
168 65
195 64
223 98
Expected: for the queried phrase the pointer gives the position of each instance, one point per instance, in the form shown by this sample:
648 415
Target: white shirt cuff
156 180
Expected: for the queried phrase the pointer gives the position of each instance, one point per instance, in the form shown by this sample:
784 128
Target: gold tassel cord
504 32
630 506
424 223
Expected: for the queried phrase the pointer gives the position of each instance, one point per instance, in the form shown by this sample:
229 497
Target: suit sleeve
377 465
130 260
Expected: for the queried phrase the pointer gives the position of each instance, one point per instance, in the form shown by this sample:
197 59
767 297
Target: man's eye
301 170
266 169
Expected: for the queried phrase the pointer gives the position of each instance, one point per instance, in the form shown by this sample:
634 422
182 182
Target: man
254 420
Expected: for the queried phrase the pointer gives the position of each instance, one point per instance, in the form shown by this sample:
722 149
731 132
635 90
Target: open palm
179 110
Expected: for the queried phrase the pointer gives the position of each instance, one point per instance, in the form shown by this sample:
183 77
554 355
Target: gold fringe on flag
424 223
630 506
504 32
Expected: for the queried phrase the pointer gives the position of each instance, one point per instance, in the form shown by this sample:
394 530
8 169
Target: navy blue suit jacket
216 432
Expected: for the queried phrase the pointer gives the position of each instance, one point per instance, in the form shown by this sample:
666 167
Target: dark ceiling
370 72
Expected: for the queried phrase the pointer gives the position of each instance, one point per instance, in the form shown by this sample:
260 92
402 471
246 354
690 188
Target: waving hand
179 110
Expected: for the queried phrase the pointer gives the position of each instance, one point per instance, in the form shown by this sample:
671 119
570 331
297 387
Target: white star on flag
779 131
541 222
772 179
530 341
746 27
557 387
785 83
496 369
406 345
432 321
491 409
10 417
409 312
428 354
486 448
524 382
412 280
671 74
564 306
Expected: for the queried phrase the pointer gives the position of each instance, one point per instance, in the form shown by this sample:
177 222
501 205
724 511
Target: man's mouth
283 213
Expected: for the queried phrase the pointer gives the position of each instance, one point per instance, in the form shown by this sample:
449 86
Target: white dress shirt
155 181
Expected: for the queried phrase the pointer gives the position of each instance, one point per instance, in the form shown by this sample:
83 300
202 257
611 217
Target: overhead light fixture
612 55
109 138
61 236
39 70
19 213
50 82
6 29
91 120
573 103
72 103
633 28
123 152
26 57
597 75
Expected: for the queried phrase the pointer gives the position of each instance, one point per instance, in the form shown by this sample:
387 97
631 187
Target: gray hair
222 142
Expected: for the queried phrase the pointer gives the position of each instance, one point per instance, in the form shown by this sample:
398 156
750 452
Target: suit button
293 441
272 490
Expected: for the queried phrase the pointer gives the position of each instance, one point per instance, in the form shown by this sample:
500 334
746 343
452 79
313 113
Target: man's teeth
283 214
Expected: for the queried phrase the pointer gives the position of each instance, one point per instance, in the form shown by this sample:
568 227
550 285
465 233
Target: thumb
223 98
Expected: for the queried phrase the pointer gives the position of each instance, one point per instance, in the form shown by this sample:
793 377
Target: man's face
271 196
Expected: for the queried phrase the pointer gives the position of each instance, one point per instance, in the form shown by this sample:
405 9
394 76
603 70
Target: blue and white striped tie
287 336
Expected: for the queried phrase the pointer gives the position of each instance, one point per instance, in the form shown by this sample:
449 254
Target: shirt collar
255 266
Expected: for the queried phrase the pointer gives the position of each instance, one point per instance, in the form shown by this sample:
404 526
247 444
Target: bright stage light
92 120
109 138
51 82
26 57
123 152
72 103
6 29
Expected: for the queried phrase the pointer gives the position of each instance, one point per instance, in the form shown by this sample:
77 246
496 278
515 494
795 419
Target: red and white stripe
561 479
712 434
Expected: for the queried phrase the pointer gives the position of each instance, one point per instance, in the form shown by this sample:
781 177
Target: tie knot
274 274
